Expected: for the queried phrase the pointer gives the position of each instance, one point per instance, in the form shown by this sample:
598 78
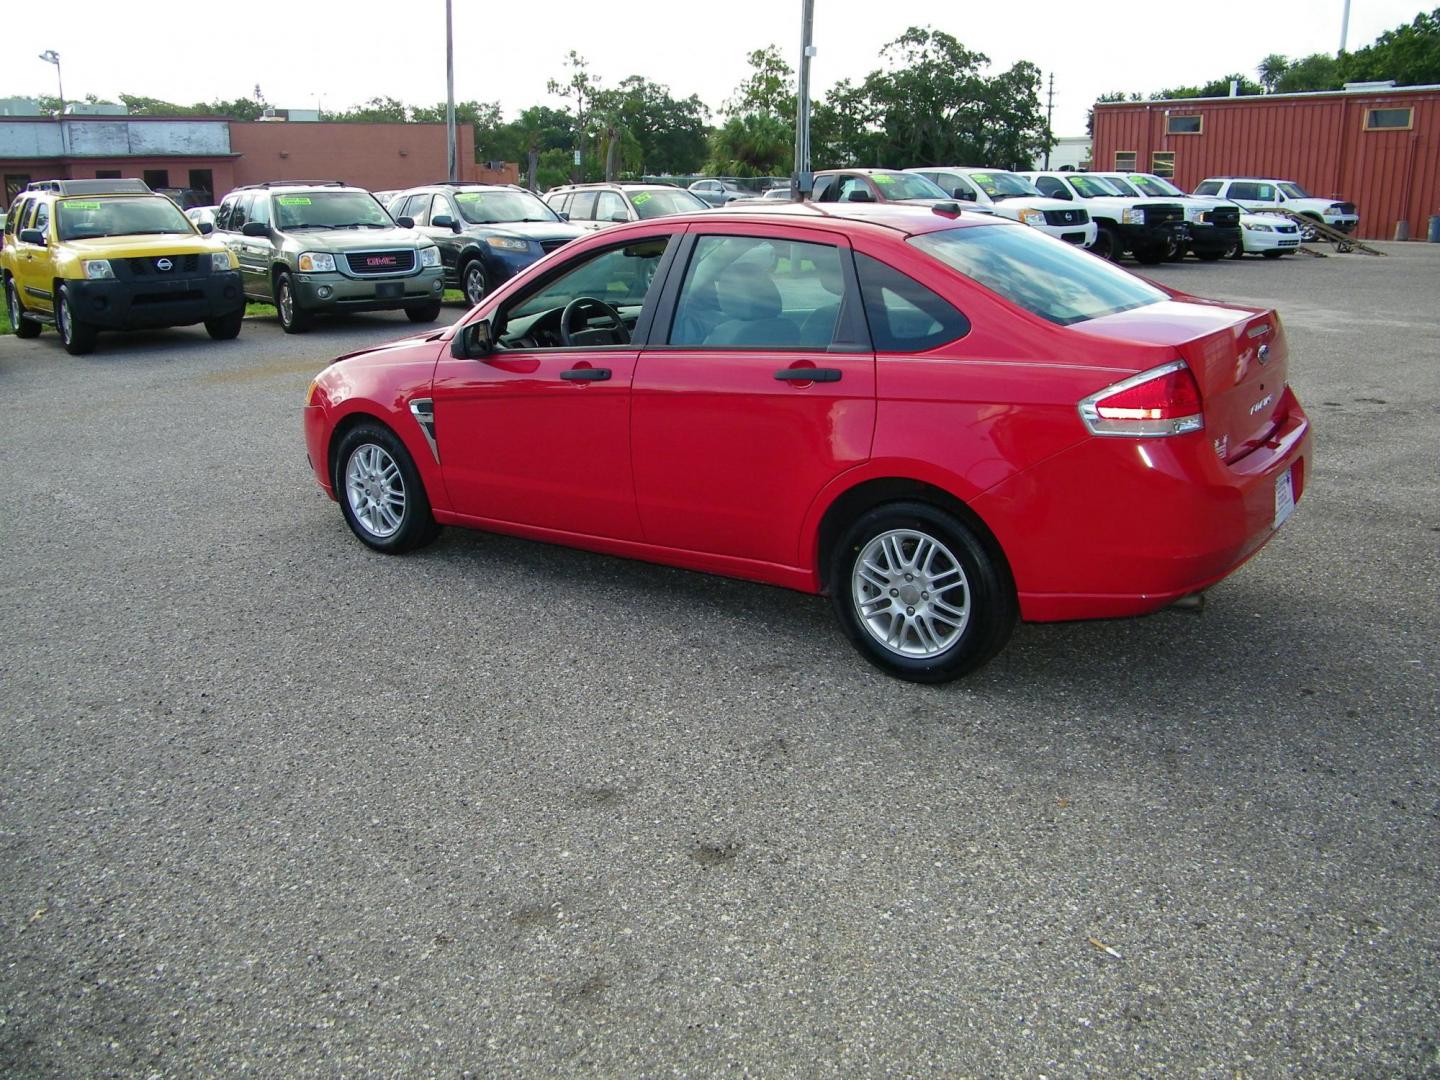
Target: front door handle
808 374
586 374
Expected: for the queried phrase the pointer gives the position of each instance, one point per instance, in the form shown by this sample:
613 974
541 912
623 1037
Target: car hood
355 239
125 247
530 230
1036 202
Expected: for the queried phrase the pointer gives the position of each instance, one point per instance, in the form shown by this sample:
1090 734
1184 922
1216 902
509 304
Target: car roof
905 218
861 172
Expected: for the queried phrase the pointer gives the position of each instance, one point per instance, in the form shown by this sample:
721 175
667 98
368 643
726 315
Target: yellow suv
91 255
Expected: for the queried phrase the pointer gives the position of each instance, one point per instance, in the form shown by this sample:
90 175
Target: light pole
50 56
450 91
1345 26
801 182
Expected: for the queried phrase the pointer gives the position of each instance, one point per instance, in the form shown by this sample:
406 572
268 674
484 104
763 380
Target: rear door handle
808 374
586 374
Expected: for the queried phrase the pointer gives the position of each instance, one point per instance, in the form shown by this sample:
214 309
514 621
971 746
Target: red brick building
215 155
1378 147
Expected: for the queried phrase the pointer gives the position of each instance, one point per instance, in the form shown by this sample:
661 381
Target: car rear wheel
380 491
293 318
1235 251
473 283
424 313
77 336
919 593
226 327
23 327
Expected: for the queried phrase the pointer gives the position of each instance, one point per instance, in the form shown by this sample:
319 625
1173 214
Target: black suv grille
1066 217
1164 215
381 262
1347 208
548 246
150 265
1224 217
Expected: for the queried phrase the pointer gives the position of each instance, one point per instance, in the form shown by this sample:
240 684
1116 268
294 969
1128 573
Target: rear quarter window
904 315
1209 187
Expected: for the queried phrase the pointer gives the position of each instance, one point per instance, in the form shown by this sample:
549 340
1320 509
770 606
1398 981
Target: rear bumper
1188 519
137 305
336 292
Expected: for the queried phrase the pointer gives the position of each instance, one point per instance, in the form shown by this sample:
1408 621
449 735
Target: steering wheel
601 335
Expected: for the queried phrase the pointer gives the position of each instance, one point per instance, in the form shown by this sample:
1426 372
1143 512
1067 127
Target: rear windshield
494 207
663 202
329 210
83 218
1046 277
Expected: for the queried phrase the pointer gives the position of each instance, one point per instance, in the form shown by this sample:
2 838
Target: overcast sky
341 53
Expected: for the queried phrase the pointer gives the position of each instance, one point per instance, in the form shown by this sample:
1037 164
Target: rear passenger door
759 389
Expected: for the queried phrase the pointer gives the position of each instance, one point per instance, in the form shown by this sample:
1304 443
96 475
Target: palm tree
1271 70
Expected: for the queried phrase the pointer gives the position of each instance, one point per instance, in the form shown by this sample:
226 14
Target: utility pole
1049 115
450 91
800 179
50 56
1345 26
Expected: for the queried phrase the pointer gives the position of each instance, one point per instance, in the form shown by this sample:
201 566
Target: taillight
1162 401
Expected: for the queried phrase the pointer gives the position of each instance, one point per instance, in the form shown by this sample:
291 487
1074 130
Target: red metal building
1378 147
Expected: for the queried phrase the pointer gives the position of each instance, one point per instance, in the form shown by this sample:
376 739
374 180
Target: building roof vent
1368 87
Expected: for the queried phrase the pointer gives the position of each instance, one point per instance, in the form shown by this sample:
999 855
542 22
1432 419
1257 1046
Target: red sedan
944 420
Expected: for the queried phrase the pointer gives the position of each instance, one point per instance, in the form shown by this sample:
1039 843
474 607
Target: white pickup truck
1007 194
1258 193
1149 229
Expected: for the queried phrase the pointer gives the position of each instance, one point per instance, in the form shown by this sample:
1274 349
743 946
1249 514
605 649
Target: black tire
1272 254
1212 256
226 327
1149 256
414 525
1236 251
973 627
19 324
1107 244
77 336
473 282
428 313
1307 228
1174 251
294 319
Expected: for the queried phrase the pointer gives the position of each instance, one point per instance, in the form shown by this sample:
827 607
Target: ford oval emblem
164 264
1264 354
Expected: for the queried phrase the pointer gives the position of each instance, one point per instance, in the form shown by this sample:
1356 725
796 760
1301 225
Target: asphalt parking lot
273 804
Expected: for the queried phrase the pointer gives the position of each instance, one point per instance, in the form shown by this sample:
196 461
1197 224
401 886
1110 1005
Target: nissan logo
164 264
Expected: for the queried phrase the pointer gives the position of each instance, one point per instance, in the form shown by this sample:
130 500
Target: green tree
1409 54
769 89
1320 71
753 145
656 133
377 110
1271 70
579 90
844 128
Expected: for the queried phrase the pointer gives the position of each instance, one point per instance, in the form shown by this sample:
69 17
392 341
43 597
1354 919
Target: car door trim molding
423 409
43 294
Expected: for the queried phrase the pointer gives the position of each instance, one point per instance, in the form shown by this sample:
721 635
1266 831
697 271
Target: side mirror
32 236
255 228
563 217
445 221
472 340
964 193
1062 193
619 216
205 228
405 222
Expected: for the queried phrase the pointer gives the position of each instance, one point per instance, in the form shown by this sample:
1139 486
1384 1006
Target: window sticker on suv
75 204
641 199
883 179
293 200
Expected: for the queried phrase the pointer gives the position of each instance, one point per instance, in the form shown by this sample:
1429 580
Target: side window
905 316
957 186
238 215
620 276
260 208
1267 193
222 215
824 189
854 189
750 292
1052 186
582 206
441 207
418 207
608 205
1209 187
558 203
42 217
16 215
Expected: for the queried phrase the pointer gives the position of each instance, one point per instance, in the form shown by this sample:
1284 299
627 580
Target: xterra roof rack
92 187
294 183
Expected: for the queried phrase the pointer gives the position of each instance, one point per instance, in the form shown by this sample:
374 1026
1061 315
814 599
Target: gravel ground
273 804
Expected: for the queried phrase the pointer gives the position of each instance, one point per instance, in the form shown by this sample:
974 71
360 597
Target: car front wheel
1106 245
380 491
293 318
23 327
919 593
225 327
473 283
424 312
77 336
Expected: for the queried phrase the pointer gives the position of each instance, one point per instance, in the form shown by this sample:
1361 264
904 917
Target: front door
34 276
760 391
538 432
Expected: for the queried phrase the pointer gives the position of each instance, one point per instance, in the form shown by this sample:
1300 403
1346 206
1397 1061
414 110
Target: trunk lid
1237 355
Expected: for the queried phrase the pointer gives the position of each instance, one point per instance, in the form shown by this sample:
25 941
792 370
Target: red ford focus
945 421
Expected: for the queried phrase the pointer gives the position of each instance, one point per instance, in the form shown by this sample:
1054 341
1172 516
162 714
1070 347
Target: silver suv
594 206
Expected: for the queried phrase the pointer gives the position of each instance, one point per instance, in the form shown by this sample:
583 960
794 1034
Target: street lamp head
50 56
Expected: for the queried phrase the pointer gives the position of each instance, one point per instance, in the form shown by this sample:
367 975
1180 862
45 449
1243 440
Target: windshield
1091 187
330 210
895 186
493 207
1154 185
84 218
1295 191
1053 280
1002 185
1125 185
663 202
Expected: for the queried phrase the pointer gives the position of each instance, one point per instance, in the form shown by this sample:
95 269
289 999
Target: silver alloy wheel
375 490
910 593
67 324
285 301
13 303
474 282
